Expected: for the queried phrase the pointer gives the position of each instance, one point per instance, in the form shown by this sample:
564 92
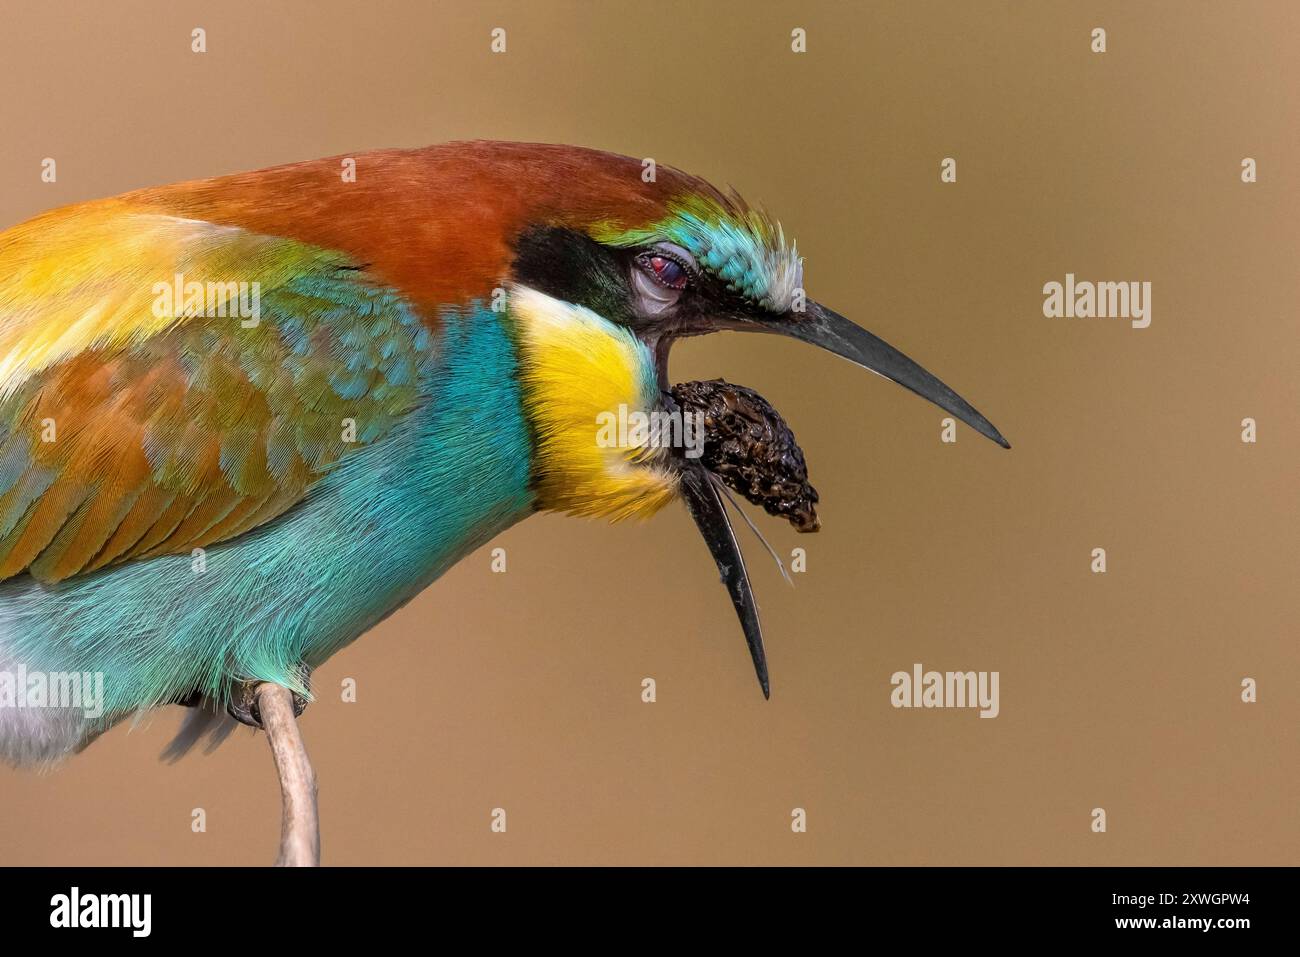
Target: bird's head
705 262
605 277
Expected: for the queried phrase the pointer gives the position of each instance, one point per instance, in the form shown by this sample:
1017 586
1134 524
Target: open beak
828 329
821 327
705 506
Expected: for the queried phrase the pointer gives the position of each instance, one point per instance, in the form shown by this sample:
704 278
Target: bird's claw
243 704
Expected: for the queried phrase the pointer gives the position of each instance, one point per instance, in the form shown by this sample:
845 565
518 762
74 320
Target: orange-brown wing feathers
152 434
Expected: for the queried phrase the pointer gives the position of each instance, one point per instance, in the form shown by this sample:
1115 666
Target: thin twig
299 823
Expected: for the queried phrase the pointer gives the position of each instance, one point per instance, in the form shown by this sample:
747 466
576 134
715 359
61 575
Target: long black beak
710 516
828 329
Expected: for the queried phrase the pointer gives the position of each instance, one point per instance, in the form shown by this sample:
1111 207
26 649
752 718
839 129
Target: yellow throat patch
581 375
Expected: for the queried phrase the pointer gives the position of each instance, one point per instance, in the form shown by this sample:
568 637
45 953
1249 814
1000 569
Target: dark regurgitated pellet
748 445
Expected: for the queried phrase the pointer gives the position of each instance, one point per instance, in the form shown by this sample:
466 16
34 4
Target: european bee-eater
244 419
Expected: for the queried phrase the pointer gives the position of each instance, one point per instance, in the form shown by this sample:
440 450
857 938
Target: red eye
668 271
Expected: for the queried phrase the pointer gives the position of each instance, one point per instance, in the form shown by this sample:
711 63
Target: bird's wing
129 428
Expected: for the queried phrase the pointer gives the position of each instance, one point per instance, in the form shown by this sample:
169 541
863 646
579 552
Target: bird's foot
243 704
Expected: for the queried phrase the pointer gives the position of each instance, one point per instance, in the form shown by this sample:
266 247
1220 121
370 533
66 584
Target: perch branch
299 822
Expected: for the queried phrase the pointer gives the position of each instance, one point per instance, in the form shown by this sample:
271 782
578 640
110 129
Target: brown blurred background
522 690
